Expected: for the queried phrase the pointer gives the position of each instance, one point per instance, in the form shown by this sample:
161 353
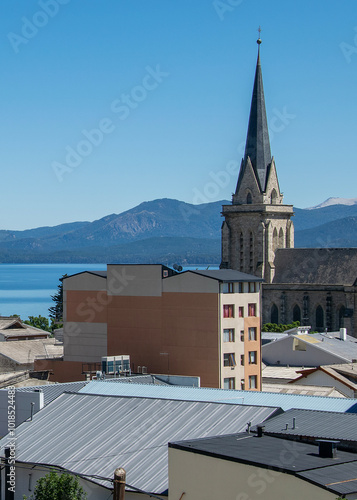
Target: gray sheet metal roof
267 452
226 275
331 342
284 401
52 391
96 434
341 478
25 351
329 266
315 424
102 274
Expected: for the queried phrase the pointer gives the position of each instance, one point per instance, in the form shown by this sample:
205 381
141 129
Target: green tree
57 486
56 311
273 327
39 322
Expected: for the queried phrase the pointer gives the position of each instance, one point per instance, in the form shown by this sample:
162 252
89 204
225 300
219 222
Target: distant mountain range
166 231
335 201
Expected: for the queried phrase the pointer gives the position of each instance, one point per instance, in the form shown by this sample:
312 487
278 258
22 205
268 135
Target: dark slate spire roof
257 146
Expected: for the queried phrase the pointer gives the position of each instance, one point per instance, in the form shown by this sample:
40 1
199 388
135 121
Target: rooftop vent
327 448
343 334
260 430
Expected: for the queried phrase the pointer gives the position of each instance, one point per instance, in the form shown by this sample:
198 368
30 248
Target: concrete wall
85 301
86 342
189 282
322 379
206 478
135 280
23 402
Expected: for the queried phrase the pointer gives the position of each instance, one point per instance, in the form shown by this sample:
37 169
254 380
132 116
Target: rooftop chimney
327 448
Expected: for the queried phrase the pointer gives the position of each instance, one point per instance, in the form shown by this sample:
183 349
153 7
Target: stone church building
316 286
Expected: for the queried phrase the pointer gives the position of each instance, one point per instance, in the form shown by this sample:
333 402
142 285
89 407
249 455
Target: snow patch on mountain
335 201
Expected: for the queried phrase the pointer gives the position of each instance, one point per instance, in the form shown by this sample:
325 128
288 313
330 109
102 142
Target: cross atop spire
259 41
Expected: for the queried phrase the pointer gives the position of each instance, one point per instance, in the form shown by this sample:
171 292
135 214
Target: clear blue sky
169 83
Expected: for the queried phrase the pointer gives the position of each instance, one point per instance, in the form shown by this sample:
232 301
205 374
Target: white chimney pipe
343 334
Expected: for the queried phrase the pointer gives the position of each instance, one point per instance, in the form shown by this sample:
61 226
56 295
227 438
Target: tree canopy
273 327
39 322
56 311
58 486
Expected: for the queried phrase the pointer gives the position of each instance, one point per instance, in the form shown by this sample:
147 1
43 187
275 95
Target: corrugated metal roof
91 434
284 401
316 424
52 391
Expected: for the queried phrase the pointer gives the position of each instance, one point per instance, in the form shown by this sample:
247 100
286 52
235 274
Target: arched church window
281 238
297 313
273 197
319 317
274 314
249 198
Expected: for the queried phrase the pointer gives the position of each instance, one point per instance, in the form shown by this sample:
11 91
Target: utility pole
119 484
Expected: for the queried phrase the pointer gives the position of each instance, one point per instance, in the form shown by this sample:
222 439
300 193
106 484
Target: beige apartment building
195 323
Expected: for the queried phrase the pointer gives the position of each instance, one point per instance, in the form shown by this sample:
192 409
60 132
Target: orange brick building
197 323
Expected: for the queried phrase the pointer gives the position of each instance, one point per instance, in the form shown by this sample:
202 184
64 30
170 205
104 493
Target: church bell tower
257 223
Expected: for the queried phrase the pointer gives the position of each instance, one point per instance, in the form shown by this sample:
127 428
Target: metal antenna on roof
32 407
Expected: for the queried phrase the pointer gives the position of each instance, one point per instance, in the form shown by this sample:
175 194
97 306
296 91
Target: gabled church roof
257 146
323 266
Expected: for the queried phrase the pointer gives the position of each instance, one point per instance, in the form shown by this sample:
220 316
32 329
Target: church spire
257 145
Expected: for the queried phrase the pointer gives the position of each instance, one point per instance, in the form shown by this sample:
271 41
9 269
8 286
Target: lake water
26 289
